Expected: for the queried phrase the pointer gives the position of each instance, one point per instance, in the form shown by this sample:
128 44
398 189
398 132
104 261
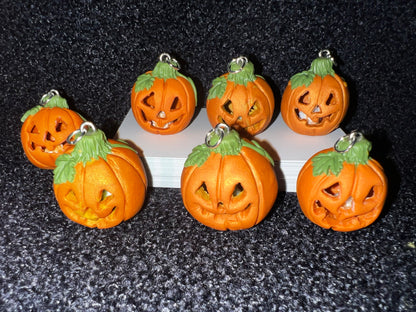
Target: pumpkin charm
341 187
315 101
45 129
163 100
228 182
102 182
241 99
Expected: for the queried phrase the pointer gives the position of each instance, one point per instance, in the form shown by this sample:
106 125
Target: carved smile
302 116
165 126
59 148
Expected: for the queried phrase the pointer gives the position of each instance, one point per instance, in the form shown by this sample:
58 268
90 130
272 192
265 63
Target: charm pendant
315 101
342 188
163 100
241 99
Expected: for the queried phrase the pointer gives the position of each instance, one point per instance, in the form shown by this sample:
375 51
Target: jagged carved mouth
302 116
237 125
57 149
165 126
222 214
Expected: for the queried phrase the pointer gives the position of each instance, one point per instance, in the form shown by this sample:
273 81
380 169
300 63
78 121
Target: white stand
165 155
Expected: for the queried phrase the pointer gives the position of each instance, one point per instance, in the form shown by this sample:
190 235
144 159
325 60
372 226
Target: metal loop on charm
241 61
46 97
352 138
77 135
165 58
327 54
220 130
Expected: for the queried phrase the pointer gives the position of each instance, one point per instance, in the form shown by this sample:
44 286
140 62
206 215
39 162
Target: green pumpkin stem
231 144
245 75
332 162
55 101
92 146
321 66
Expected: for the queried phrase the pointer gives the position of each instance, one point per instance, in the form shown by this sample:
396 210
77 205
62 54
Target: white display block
165 155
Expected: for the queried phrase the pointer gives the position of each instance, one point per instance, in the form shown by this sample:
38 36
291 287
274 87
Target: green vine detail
320 66
332 161
163 71
92 146
231 144
244 76
55 101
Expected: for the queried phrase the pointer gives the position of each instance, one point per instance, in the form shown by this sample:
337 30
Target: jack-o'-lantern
228 182
315 101
45 130
102 182
163 100
241 99
342 188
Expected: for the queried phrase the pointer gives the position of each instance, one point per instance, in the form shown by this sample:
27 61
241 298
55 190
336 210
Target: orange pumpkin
45 130
315 101
341 187
163 100
101 183
231 185
241 99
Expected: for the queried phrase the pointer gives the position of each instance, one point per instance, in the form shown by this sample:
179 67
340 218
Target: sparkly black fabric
162 259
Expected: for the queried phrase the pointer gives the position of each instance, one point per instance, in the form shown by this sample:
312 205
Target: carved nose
161 115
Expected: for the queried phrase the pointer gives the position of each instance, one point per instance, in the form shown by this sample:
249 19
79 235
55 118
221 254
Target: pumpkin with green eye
315 101
230 186
241 99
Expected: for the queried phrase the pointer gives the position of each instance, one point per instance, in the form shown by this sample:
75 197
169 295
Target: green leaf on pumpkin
219 85
65 169
304 78
327 163
144 81
30 112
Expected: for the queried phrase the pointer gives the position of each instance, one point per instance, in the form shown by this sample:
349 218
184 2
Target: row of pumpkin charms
227 182
314 102
163 93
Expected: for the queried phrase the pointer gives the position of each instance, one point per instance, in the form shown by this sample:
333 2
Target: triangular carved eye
105 195
228 107
253 109
330 99
49 137
176 104
238 189
34 130
370 195
305 98
70 196
149 100
334 190
203 191
60 126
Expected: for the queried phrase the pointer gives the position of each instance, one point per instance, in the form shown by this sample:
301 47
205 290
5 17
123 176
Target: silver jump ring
79 133
46 97
353 138
220 130
327 54
241 61
165 58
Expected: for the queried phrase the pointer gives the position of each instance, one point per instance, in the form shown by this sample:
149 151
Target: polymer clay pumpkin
342 188
315 101
228 182
241 99
102 182
163 100
45 130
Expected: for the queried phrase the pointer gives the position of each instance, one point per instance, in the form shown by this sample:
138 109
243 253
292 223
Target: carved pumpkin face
241 100
229 191
104 191
163 101
43 135
315 104
350 200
